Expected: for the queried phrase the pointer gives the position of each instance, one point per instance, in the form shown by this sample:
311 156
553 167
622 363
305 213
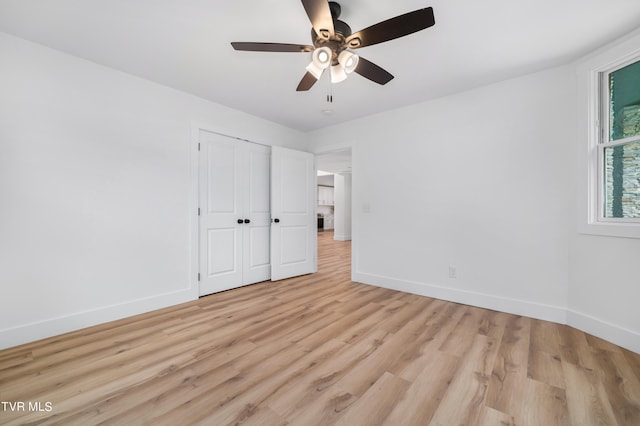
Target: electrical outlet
452 272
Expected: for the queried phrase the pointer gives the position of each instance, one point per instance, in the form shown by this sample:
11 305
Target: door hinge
198 146
198 276
198 211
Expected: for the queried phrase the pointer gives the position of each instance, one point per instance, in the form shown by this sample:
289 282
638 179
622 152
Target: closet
256 214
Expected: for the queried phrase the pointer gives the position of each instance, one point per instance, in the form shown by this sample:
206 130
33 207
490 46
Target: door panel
259 198
294 226
256 240
222 247
221 184
294 243
259 241
220 234
294 190
256 259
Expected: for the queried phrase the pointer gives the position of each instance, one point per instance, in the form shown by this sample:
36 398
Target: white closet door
257 210
294 225
221 238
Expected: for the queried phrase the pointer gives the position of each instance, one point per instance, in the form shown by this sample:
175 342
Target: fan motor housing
336 9
335 43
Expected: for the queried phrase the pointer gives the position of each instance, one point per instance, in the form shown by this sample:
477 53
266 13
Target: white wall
326 180
604 284
491 182
95 187
477 181
604 289
342 230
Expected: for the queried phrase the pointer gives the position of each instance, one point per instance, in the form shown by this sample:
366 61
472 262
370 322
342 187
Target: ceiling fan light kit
332 38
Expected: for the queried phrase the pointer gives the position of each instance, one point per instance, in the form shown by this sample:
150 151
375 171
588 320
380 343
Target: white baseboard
342 237
481 300
52 327
620 336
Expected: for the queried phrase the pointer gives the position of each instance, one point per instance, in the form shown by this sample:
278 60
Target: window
608 159
619 145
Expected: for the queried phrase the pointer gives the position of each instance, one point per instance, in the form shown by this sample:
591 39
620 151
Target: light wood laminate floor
321 349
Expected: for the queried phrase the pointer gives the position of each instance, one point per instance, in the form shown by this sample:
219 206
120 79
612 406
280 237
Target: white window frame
593 75
604 139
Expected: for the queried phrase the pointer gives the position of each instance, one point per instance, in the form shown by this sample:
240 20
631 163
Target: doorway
334 195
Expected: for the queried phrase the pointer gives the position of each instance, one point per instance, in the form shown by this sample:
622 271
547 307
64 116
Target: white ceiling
184 44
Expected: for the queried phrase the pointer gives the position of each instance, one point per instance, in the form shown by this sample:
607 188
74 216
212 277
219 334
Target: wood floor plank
442 318
597 343
508 378
325 410
546 368
377 402
545 362
155 395
320 350
420 401
575 348
621 385
463 399
545 338
633 361
541 404
587 399
231 398
345 321
308 392
490 417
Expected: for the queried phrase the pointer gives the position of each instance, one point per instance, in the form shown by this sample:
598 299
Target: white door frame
354 242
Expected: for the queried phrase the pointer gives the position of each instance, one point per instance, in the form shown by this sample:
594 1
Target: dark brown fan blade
307 82
271 47
372 72
393 28
319 14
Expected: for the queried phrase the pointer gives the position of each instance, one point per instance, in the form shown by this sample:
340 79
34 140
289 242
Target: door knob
247 221
240 221
276 220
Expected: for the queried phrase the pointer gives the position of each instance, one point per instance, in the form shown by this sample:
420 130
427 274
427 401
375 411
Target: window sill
611 229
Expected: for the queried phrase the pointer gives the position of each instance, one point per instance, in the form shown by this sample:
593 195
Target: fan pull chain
330 93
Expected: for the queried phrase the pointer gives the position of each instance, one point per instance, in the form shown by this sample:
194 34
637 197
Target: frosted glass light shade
348 60
338 74
321 57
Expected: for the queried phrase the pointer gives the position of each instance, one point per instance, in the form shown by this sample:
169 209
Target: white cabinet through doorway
235 217
325 195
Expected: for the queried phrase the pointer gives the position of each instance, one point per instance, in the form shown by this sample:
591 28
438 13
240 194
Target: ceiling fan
333 40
